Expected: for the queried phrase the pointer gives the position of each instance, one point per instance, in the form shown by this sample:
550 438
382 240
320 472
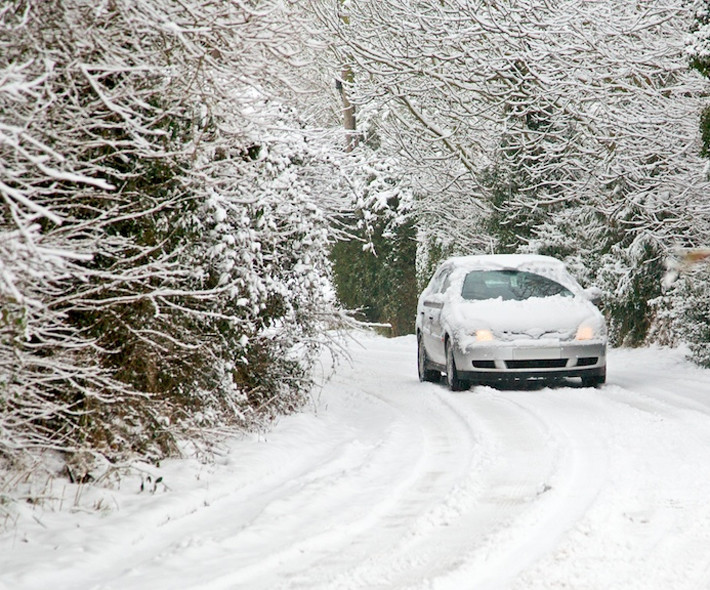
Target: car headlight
585 332
483 335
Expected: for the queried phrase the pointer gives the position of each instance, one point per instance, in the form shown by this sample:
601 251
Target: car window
447 282
434 282
509 285
440 282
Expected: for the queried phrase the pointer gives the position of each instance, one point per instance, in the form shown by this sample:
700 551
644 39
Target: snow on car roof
505 261
547 266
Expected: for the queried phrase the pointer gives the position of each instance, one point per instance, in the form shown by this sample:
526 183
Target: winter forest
195 195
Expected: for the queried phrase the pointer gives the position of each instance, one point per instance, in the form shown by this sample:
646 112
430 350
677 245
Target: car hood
549 317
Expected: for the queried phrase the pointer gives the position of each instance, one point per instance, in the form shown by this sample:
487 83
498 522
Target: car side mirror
594 294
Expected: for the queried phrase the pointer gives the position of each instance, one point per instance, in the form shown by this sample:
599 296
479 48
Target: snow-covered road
388 483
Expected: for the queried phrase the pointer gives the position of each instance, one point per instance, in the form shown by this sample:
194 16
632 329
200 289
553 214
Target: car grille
537 364
512 335
484 364
587 361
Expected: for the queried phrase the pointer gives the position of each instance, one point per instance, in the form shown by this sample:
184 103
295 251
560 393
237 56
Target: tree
698 50
564 128
682 313
374 261
165 216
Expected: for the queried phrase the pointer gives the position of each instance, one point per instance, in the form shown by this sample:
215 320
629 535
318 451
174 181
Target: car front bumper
531 359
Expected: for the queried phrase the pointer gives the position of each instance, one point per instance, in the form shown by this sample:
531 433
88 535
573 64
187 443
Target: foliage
698 43
162 230
378 277
698 52
683 314
566 127
374 261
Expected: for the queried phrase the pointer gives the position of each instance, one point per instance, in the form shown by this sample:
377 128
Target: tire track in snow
437 434
534 489
311 517
502 477
355 499
496 505
649 526
433 502
394 484
576 469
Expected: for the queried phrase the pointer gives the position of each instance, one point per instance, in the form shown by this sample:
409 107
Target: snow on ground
390 483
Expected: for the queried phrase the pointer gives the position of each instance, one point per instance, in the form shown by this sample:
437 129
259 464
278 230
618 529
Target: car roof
504 261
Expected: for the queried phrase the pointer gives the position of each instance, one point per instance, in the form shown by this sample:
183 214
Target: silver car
506 317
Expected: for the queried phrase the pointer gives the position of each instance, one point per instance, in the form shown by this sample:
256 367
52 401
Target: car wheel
593 380
452 376
425 373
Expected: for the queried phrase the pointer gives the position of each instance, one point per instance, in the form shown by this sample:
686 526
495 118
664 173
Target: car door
432 304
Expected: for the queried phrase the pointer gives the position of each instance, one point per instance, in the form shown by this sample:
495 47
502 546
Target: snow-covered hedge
163 229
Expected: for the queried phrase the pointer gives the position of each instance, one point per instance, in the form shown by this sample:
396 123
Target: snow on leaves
528 125
163 236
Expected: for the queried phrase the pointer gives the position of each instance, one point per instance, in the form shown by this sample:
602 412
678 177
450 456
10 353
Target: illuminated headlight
483 335
585 332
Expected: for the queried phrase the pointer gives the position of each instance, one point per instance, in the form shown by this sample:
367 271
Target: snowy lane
648 526
396 484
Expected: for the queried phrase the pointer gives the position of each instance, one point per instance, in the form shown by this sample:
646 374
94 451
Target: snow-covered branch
164 222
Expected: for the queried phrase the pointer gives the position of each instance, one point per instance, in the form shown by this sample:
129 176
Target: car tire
452 375
425 373
593 380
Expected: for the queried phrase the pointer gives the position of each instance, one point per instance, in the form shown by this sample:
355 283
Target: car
508 317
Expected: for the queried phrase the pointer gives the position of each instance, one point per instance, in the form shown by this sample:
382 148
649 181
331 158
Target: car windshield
509 285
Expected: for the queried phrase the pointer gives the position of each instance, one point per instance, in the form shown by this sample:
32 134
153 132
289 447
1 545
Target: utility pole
346 79
349 121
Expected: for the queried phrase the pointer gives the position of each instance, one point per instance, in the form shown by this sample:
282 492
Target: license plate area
535 353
